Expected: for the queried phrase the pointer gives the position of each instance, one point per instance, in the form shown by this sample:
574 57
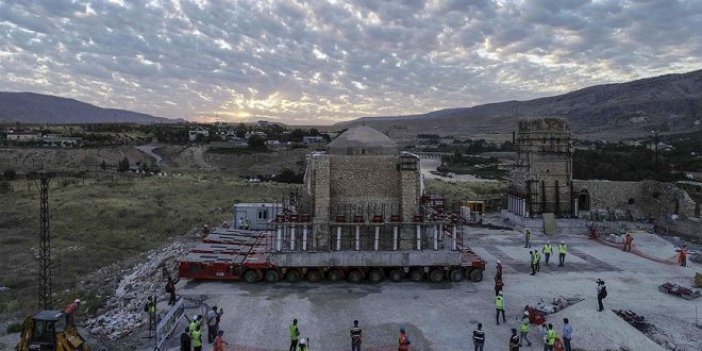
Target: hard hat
499 262
76 300
302 341
500 293
562 242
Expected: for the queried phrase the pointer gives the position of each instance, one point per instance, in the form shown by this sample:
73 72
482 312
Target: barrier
169 322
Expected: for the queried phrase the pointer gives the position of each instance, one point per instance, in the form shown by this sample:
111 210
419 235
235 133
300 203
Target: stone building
542 177
361 178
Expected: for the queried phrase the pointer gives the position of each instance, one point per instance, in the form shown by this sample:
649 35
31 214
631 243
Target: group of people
516 340
535 255
191 338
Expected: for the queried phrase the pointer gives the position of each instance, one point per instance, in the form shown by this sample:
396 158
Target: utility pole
41 180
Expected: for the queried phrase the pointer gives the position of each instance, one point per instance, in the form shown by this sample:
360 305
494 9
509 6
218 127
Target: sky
320 62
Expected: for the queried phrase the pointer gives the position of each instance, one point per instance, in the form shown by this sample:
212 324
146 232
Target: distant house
312 140
272 142
193 134
23 137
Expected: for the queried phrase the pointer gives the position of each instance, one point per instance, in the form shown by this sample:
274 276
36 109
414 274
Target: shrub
14 328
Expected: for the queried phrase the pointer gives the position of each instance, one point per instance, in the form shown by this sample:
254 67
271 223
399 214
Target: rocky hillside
37 108
670 103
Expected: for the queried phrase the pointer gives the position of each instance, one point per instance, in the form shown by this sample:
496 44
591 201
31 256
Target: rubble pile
558 304
124 312
649 329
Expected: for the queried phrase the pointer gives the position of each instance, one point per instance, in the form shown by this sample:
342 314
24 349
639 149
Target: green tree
123 165
257 143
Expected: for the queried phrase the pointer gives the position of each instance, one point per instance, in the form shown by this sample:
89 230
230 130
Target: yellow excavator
50 331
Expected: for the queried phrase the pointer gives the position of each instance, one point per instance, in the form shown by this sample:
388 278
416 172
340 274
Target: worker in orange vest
71 311
219 342
682 256
404 341
628 240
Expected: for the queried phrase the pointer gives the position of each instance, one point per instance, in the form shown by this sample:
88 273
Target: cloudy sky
304 62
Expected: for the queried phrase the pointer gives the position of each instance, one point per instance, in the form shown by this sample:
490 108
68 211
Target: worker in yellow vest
196 338
500 306
294 333
524 331
550 338
547 251
562 249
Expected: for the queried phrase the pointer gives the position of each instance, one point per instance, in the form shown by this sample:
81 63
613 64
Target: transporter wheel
272 276
293 276
436 275
416 275
314 276
457 275
476 275
355 276
250 276
396 275
375 276
334 275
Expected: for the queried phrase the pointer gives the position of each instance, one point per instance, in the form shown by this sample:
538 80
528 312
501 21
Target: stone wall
365 183
638 199
690 228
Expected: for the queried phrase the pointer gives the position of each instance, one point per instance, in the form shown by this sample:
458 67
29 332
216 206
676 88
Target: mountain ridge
29 107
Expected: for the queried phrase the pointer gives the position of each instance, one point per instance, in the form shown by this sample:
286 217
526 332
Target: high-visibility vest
197 338
152 307
525 325
293 331
562 248
534 259
547 248
192 325
500 302
537 256
551 335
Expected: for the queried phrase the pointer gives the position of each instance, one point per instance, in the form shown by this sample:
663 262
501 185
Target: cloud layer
318 62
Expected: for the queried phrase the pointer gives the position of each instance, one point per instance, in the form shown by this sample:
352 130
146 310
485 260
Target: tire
293 276
375 276
436 275
416 275
314 276
355 276
396 275
457 275
250 276
272 276
476 275
334 276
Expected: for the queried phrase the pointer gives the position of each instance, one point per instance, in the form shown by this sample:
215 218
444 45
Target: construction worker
479 338
601 293
498 286
196 338
403 341
498 270
547 251
241 222
192 322
294 333
170 289
185 344
219 341
532 262
562 250
682 256
205 230
537 259
527 237
628 240
514 341
356 337
151 310
247 224
211 320
524 330
71 312
550 338
500 307
566 333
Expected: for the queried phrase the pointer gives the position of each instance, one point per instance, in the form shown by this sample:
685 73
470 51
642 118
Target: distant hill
670 103
37 108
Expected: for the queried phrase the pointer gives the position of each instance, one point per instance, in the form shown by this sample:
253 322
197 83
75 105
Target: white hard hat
562 242
76 300
302 341
499 262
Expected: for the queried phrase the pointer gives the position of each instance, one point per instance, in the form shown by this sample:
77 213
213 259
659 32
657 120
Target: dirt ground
442 316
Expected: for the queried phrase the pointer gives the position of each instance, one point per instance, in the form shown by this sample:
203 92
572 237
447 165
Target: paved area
441 317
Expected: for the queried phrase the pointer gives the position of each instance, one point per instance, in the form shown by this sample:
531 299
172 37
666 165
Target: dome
363 140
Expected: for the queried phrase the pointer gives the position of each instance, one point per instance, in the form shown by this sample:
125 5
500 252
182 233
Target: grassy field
466 191
94 225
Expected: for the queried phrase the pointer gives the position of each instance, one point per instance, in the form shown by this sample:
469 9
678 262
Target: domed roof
363 140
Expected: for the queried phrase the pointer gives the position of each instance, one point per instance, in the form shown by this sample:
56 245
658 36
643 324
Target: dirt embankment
24 160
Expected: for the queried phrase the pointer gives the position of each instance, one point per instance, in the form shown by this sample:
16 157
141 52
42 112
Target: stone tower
543 173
